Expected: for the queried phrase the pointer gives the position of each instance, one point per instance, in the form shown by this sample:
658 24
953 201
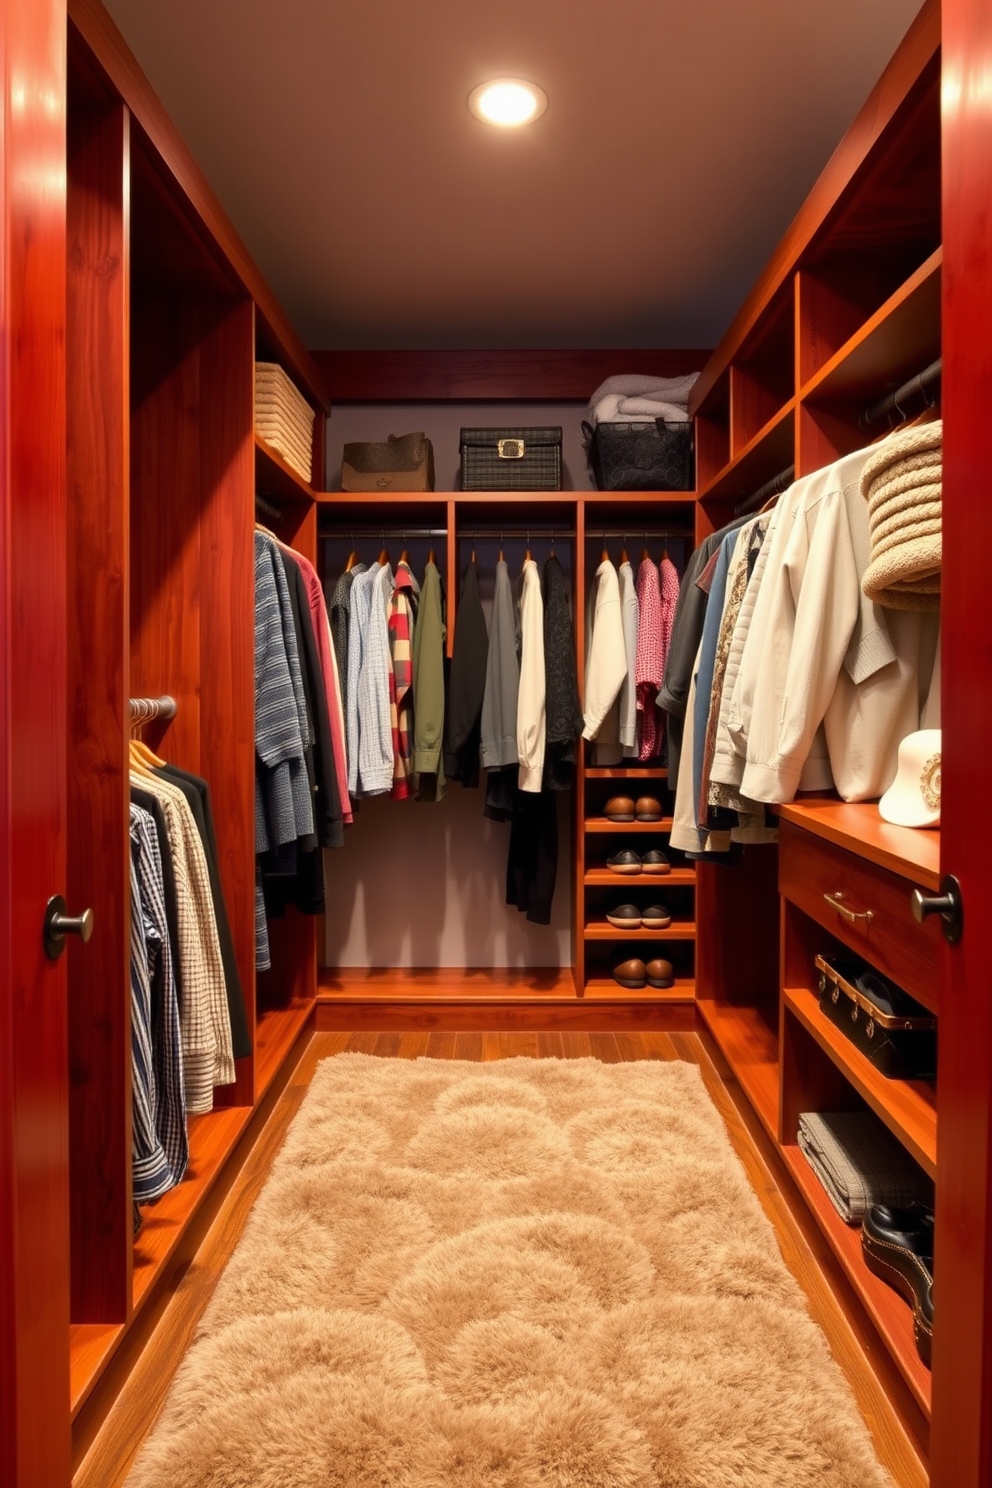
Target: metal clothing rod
774 487
143 710
494 534
893 402
269 509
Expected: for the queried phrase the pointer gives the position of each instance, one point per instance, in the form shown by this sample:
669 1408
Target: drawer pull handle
836 901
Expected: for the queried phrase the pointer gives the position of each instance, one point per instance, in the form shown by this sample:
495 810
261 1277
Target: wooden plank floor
108 1461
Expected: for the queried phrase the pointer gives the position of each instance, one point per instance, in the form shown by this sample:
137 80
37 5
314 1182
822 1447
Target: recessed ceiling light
508 102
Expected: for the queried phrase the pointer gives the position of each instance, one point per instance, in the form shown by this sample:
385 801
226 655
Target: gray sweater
499 703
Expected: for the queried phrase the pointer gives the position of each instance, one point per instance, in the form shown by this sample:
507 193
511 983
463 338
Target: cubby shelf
771 450
606 878
677 930
603 824
908 1107
620 772
893 344
605 989
276 1030
886 1308
750 1046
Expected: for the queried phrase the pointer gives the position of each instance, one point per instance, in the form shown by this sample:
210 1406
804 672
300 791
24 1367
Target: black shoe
897 1245
627 862
625 917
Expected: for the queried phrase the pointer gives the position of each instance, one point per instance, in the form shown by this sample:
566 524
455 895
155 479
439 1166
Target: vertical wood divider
452 520
578 814
98 868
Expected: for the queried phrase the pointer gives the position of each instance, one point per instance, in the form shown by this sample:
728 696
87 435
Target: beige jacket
531 717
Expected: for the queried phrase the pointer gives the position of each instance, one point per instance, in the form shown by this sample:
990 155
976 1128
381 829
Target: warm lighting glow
508 102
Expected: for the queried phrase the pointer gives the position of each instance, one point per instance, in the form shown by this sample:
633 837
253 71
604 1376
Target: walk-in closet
359 1125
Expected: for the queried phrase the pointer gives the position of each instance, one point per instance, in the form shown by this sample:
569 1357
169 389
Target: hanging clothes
401 624
358 621
327 665
627 718
328 819
428 688
340 616
563 710
606 664
649 671
532 860
466 684
499 703
531 696
375 750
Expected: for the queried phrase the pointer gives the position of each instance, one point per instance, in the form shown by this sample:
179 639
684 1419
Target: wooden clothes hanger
623 551
352 556
604 556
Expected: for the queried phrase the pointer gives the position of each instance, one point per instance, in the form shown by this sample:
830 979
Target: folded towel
635 398
859 1162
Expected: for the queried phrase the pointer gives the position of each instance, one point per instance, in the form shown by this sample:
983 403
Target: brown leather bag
404 463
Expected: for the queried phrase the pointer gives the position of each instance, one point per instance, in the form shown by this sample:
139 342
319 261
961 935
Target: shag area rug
535 1273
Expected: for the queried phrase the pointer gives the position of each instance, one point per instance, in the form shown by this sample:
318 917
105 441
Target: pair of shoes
634 974
628 861
897 1245
624 809
629 917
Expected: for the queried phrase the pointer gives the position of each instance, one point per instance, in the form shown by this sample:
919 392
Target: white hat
913 798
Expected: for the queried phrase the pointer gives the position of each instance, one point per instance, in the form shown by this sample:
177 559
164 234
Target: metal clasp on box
510 449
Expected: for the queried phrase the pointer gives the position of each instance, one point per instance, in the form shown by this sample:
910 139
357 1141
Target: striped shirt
375 747
167 1057
402 610
361 600
151 1172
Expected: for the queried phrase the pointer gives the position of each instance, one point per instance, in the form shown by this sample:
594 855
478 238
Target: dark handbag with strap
651 456
405 462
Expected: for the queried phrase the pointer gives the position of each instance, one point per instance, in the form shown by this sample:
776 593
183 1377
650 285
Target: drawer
813 871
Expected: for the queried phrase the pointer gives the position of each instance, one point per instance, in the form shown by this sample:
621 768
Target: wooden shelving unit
677 930
605 878
749 1044
597 824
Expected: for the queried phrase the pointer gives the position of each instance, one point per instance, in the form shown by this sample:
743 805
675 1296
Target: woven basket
505 459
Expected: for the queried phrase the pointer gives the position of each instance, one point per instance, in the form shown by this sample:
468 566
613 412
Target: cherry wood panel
226 659
808 1080
887 99
488 376
858 828
677 930
664 1012
749 1042
962 1434
97 30
276 1032
34 1142
908 1107
595 824
576 836
90 1348
812 870
97 434
274 476
606 878
620 772
737 928
886 1308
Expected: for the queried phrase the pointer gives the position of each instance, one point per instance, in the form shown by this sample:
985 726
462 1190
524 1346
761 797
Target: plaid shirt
208 1058
159 1144
402 613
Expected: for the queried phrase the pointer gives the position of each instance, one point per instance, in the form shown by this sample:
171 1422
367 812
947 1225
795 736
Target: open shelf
212 1139
276 1031
605 989
274 476
603 824
860 829
891 1315
90 1347
750 1046
606 878
895 343
434 983
771 450
677 930
623 772
908 1107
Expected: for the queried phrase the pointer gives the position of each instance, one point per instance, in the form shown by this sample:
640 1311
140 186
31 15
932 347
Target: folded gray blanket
637 399
859 1162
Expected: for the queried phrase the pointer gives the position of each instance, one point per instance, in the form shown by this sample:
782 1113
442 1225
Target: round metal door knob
58 925
947 904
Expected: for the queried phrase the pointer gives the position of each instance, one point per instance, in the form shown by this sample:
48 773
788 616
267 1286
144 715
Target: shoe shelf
605 878
908 1107
605 989
621 772
889 1312
677 930
603 824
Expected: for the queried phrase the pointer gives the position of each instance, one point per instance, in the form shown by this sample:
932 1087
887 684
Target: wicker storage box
284 418
653 456
526 459
897 1034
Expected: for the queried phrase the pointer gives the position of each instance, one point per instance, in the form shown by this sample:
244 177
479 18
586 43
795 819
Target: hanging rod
893 402
267 507
145 709
488 532
773 487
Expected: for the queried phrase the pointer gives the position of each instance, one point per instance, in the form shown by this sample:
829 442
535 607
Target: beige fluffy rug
525 1274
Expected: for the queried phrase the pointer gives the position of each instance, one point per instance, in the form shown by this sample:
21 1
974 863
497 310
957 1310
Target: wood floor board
107 1463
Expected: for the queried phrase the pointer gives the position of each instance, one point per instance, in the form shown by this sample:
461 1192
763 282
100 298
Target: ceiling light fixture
508 102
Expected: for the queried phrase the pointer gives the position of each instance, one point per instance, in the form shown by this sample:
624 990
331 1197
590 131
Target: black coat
563 711
466 684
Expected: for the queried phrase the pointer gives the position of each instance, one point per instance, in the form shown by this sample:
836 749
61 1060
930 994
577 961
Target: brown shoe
619 809
632 973
659 974
647 809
